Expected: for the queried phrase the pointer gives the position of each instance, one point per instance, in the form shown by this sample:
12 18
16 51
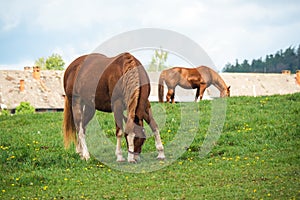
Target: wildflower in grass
35 142
180 163
161 162
268 194
3 191
254 190
45 187
169 131
65 179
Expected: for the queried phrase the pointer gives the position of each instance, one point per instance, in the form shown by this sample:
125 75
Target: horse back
95 77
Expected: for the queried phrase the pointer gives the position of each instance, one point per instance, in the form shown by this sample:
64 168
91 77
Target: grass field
256 157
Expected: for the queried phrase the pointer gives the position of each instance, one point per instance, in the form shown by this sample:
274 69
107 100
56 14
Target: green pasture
256 157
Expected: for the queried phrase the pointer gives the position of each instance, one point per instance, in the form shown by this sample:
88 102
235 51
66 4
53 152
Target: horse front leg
154 127
170 95
202 90
119 155
130 140
118 115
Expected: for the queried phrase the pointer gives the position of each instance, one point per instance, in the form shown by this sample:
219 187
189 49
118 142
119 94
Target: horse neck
220 84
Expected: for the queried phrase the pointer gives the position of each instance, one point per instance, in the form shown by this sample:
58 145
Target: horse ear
228 87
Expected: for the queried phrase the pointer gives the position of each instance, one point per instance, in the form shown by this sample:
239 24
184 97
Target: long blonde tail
68 125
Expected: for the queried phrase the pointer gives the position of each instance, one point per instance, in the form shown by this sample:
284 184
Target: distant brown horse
198 78
111 85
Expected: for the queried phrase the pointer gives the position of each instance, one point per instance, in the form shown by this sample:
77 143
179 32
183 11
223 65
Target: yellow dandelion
3 191
180 163
254 190
45 187
269 194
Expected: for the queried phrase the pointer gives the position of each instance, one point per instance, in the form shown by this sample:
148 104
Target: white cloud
227 29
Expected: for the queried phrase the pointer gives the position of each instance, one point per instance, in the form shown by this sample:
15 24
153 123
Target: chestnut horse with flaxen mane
198 78
95 82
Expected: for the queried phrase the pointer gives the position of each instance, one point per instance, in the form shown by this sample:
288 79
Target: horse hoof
120 160
160 157
86 158
132 161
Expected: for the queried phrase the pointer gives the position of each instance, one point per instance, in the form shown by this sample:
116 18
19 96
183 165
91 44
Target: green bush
25 108
4 112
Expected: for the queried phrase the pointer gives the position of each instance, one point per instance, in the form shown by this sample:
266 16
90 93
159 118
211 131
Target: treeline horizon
288 59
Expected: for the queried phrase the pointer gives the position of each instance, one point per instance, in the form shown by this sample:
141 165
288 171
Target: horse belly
103 100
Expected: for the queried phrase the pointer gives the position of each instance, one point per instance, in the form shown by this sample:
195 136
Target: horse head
226 92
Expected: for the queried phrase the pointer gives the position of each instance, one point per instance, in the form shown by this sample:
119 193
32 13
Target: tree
40 62
273 63
158 62
53 62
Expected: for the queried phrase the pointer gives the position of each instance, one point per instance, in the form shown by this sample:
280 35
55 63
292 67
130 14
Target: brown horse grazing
96 82
198 78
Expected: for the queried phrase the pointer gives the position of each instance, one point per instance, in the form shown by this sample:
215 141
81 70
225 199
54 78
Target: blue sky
226 30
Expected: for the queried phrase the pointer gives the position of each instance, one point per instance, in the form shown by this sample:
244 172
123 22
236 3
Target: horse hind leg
82 115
